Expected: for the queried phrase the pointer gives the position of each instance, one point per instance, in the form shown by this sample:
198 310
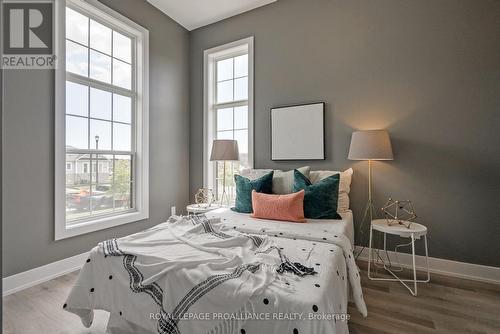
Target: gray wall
28 147
428 71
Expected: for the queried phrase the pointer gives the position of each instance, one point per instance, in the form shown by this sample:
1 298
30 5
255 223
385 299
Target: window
105 120
228 114
68 166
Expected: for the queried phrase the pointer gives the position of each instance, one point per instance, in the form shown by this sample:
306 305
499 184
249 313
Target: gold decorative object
399 212
204 197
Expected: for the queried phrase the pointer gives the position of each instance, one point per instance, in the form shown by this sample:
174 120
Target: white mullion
113 182
88 118
232 64
76 78
232 104
90 172
77 151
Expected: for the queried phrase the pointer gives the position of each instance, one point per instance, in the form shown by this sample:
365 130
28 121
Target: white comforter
186 277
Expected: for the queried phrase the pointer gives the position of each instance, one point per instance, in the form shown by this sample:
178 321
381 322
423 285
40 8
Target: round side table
415 231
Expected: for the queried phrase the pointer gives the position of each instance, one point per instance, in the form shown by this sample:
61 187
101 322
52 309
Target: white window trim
141 212
209 57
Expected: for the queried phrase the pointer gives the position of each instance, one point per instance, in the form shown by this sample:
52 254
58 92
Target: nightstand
195 209
414 232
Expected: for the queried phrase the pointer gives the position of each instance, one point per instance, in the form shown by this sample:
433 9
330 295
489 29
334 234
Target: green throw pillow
320 200
244 187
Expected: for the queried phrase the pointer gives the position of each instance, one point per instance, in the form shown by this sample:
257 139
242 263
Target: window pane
122 74
122 196
100 37
122 108
100 66
225 119
76 132
76 99
102 198
241 89
122 47
100 135
225 134
225 69
102 169
77 175
122 137
242 137
241 117
225 91
76 58
100 104
77 201
77 26
123 169
241 66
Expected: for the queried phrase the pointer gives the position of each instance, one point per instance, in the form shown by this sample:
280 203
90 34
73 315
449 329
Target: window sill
98 224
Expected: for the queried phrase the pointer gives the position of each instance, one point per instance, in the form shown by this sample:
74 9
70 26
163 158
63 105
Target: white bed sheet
330 226
327 292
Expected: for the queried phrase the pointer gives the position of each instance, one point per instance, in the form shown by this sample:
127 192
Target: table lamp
224 150
370 145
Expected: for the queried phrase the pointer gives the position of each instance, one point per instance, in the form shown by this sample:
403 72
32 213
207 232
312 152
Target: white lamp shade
370 145
225 150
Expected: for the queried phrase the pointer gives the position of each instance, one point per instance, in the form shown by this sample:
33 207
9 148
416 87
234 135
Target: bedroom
89 156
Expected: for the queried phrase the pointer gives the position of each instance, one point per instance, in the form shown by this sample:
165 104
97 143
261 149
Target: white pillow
253 174
283 181
344 186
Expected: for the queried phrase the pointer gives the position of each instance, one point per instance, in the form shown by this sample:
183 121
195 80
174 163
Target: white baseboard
29 278
470 271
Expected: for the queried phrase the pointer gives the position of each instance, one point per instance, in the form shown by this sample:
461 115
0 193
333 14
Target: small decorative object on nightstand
405 230
195 209
204 197
399 212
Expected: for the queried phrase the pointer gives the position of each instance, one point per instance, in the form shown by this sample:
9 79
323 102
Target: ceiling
192 14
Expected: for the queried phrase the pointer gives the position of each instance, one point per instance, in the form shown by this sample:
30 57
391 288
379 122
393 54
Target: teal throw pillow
244 187
320 200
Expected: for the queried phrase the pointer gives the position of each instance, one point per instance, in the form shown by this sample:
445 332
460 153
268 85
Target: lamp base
368 216
224 198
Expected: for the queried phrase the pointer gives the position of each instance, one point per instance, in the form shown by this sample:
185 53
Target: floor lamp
224 150
369 145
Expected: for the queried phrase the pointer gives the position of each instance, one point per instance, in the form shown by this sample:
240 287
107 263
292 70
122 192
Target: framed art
298 132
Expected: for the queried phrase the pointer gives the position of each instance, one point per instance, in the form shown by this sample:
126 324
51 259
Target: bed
331 226
220 273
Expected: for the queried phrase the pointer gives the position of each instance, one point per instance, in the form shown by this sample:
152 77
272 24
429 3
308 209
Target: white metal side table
415 232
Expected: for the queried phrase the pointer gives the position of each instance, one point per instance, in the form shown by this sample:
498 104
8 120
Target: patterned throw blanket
165 278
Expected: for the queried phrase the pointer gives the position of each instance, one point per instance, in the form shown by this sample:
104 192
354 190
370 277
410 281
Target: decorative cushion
289 207
344 186
244 187
283 181
320 200
253 174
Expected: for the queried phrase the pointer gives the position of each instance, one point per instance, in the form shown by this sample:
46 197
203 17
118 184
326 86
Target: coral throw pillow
288 207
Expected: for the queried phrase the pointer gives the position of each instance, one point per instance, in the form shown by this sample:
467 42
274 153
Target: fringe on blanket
287 265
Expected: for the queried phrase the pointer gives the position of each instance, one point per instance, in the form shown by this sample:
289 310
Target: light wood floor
446 305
